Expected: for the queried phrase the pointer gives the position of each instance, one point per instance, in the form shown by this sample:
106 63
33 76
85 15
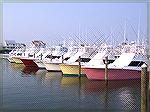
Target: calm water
28 89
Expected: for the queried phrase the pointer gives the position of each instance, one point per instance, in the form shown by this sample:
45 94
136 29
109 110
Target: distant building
1 41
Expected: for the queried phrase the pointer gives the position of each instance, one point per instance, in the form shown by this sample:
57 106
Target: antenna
79 35
138 35
124 34
86 40
111 33
64 42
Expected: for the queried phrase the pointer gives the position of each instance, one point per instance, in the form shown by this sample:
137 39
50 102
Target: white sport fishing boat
126 66
52 63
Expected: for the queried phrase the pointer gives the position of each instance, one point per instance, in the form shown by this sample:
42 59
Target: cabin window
49 56
30 55
84 60
136 63
117 56
66 58
109 61
19 54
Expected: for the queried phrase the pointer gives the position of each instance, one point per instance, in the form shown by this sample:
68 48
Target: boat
13 52
17 60
19 54
32 53
44 55
126 66
123 68
16 53
71 67
52 63
10 59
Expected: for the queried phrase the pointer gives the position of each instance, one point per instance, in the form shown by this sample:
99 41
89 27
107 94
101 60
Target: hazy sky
49 22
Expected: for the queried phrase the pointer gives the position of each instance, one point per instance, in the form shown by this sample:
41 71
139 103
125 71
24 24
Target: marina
75 77
75 57
88 60
52 79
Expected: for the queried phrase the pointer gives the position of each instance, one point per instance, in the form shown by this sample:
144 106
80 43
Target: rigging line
92 30
98 46
132 28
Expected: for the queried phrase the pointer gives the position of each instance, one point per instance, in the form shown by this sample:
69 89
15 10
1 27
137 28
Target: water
25 89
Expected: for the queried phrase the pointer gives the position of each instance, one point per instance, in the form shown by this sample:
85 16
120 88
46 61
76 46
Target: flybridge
38 43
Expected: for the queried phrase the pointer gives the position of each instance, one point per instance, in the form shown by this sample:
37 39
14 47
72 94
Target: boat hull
29 62
71 70
52 67
113 74
40 64
17 60
10 60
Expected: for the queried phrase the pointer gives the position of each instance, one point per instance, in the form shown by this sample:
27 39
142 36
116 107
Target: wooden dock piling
106 68
62 58
41 56
34 55
79 60
144 88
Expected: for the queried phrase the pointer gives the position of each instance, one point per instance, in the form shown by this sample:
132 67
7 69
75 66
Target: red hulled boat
33 53
29 62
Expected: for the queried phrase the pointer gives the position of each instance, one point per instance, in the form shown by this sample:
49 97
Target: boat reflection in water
115 94
72 81
52 78
15 66
30 70
97 86
111 96
53 75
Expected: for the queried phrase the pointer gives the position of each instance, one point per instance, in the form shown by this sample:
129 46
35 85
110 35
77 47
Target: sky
82 22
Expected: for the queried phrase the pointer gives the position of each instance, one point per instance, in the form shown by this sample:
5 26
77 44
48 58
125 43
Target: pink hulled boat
113 73
122 68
